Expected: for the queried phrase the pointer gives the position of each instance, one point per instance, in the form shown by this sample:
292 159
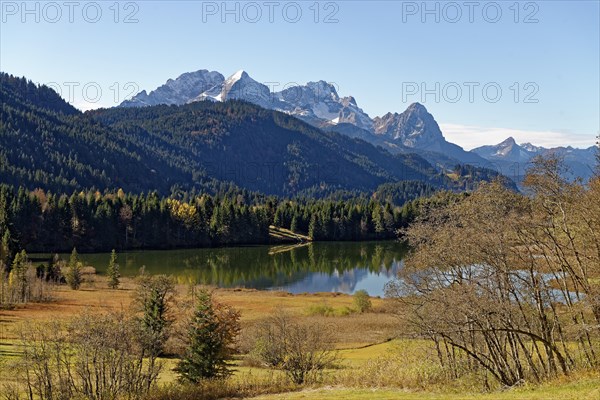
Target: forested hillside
264 150
46 143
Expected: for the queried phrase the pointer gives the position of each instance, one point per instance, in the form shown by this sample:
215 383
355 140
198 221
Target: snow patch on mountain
319 104
177 91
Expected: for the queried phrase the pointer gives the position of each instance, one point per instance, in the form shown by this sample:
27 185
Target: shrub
344 311
408 364
301 350
243 386
323 309
362 301
94 357
25 283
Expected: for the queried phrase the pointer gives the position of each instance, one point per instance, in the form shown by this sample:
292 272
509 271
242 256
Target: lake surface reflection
317 267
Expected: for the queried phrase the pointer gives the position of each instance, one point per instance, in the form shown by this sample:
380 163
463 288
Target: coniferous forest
198 175
40 221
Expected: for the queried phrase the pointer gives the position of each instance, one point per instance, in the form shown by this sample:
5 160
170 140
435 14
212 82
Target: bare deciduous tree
94 357
299 349
508 281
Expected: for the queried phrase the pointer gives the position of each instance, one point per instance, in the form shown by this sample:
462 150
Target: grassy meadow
376 360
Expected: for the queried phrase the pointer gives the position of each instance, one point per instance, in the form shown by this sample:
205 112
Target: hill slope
265 150
45 142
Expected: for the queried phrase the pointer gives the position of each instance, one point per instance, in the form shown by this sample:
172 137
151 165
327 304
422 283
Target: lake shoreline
310 267
226 246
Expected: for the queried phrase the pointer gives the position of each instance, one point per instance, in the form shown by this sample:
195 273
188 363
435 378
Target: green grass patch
579 389
325 310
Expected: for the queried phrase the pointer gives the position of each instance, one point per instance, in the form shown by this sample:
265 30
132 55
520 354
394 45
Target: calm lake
317 267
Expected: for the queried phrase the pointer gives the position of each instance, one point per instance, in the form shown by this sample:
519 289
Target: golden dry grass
579 386
361 339
353 330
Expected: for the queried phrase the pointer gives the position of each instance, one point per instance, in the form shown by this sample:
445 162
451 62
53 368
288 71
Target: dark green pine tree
378 222
6 247
113 272
18 276
155 321
277 218
314 227
208 348
294 224
154 297
73 275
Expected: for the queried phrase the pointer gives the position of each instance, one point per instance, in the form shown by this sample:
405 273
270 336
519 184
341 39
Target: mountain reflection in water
343 267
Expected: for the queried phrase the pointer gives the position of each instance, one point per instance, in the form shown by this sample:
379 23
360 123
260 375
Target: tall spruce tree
153 297
73 275
6 247
294 224
18 279
113 272
211 336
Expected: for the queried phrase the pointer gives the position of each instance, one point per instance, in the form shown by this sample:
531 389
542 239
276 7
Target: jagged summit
319 103
510 141
507 150
417 107
239 75
415 127
177 91
323 90
510 156
237 86
530 147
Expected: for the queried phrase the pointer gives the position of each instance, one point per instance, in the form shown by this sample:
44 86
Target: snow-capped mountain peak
177 91
323 90
317 102
507 150
417 108
238 86
531 148
238 75
320 104
507 147
510 157
510 141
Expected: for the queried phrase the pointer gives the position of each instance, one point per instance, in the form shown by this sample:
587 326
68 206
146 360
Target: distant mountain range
183 136
203 146
512 159
318 103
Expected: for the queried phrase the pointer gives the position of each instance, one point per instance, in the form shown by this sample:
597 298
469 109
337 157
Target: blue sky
543 56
